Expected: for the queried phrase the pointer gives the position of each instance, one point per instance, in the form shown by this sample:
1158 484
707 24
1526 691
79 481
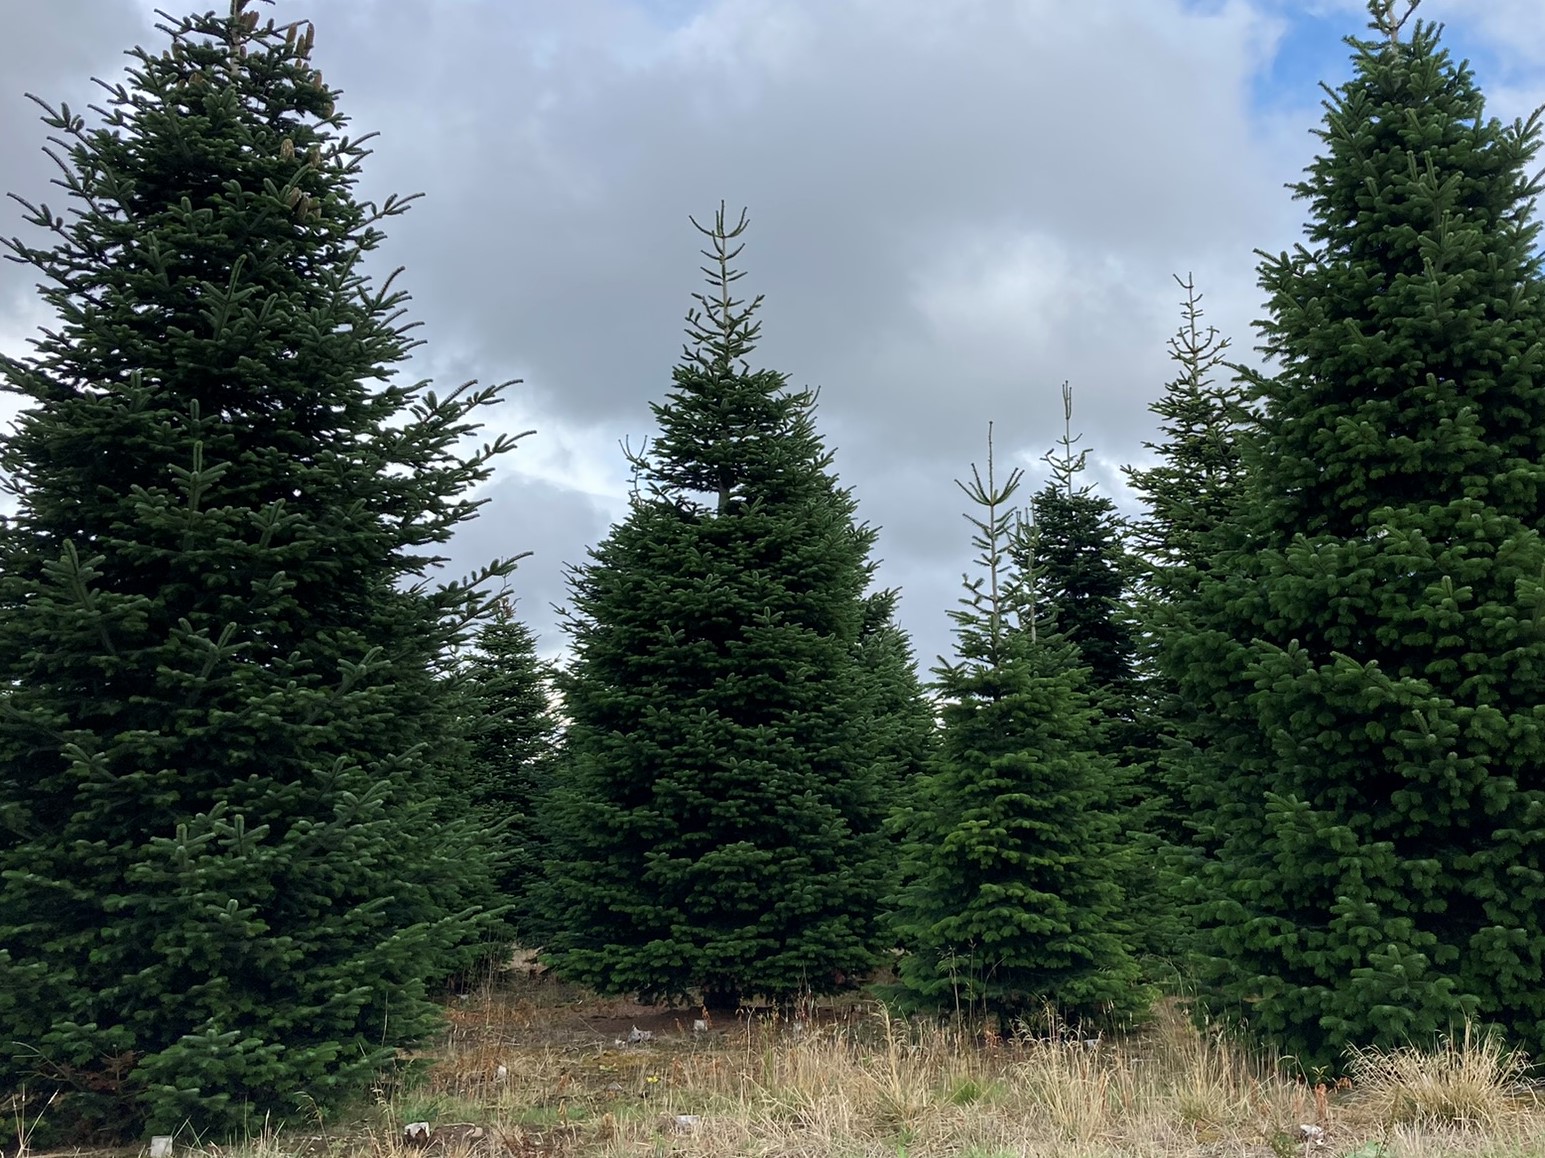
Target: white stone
161 1146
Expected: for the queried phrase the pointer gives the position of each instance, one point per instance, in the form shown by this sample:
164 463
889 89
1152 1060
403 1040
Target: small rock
161 1146
417 1134
700 1026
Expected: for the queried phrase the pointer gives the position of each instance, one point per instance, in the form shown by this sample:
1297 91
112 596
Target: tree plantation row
265 784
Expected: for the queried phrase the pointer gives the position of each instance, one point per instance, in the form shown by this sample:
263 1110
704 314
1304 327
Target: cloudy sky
956 205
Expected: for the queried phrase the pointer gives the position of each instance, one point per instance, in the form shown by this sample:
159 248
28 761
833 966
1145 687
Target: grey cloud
956 206
555 230
525 514
897 161
50 50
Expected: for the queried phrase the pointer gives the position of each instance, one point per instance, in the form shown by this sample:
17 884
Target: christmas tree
1192 495
224 880
718 824
1366 640
1012 901
1082 569
513 741
1077 550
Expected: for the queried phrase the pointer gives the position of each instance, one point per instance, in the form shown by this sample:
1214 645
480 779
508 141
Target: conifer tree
224 885
1082 567
1011 901
901 716
1191 495
1083 572
1369 639
1194 488
719 821
513 737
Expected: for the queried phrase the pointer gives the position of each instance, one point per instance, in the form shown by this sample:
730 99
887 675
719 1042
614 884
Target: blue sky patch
1314 50
1311 52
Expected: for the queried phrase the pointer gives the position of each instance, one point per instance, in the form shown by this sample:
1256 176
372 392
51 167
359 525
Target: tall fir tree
1367 638
1191 495
719 821
1083 576
513 738
224 879
1011 901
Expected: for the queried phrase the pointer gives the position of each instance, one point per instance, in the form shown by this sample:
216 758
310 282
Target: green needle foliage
224 886
1012 901
513 740
1194 488
1369 638
900 712
1082 567
1082 580
1192 494
719 821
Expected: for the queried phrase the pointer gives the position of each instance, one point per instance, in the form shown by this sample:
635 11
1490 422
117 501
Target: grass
1472 1083
857 1083
530 1069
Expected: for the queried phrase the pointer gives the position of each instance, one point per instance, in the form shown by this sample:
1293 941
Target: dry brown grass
532 1070
857 1083
1471 1082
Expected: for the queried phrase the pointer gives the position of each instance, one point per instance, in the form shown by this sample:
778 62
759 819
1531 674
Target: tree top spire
1065 466
724 327
1384 15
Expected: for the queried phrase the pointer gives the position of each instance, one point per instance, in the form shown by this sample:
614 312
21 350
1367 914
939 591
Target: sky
956 206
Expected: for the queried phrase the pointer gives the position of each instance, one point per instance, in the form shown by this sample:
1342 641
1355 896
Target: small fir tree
513 740
1082 569
900 713
224 882
1368 640
719 820
1011 901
